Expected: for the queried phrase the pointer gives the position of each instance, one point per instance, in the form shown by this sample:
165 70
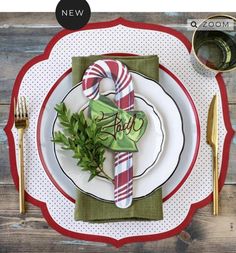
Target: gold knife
212 139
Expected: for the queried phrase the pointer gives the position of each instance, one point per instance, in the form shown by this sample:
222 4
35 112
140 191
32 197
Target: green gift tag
121 130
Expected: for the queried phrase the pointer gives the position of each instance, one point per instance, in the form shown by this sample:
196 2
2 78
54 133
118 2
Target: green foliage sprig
81 136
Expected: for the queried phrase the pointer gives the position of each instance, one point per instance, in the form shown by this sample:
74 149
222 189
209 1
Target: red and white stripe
124 98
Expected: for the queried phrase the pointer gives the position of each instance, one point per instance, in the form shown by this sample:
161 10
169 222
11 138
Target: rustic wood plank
232 113
11 63
25 39
5 175
230 83
9 203
31 233
231 175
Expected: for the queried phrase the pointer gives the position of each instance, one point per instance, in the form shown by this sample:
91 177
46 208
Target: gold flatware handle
215 183
21 172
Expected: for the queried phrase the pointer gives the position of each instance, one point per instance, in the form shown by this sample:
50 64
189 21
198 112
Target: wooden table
24 35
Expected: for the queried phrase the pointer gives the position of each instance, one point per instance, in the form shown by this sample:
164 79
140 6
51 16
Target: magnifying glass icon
193 24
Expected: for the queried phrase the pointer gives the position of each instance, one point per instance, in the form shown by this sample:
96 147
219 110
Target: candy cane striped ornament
124 98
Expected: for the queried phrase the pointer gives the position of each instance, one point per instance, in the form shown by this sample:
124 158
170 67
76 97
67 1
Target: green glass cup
215 47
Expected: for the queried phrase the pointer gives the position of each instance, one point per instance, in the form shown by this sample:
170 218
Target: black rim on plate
161 149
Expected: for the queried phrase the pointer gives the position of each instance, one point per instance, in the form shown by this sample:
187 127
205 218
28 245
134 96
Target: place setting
122 142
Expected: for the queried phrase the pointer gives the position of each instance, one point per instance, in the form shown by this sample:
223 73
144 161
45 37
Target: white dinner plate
151 179
149 156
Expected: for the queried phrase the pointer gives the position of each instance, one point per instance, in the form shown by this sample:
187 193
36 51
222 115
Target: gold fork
21 123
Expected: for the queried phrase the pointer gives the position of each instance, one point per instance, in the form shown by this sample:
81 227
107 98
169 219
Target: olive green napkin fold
88 208
146 65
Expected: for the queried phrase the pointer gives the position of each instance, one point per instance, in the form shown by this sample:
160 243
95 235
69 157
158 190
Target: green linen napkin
146 65
88 208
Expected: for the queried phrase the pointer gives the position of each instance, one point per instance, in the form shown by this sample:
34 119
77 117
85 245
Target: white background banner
124 6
